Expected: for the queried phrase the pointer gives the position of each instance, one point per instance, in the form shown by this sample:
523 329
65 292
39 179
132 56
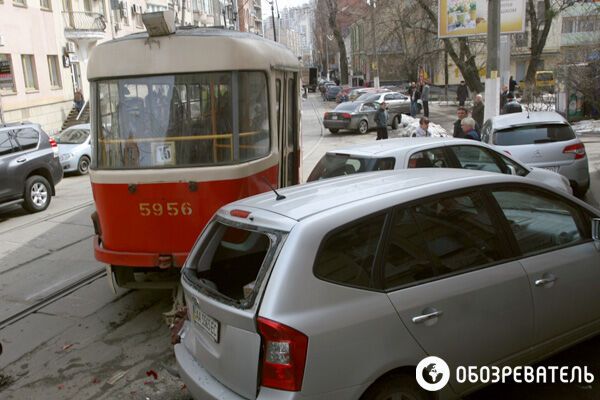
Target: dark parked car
29 166
331 92
357 116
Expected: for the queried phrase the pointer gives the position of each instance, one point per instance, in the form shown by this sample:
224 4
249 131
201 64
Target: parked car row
32 163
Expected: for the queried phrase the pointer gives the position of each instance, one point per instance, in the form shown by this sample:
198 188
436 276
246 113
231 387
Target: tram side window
182 120
253 116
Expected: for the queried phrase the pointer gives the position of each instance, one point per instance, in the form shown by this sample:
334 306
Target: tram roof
187 50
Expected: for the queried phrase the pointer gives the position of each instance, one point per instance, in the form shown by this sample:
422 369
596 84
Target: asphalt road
95 344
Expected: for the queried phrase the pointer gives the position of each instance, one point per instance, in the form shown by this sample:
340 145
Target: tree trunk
332 8
538 39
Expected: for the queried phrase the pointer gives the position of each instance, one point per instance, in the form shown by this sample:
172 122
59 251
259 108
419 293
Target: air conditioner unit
71 47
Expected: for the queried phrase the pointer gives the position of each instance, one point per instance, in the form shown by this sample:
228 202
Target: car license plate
553 169
206 322
334 117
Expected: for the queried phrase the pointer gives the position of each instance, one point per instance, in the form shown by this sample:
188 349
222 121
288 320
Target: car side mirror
596 232
511 169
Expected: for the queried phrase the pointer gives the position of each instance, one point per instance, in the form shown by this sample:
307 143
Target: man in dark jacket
503 98
478 110
462 93
415 95
461 113
381 119
512 105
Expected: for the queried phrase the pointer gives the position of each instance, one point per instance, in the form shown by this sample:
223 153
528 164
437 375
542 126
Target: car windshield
332 165
72 136
533 134
348 106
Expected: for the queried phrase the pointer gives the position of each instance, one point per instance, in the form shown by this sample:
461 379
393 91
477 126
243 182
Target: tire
396 387
38 194
395 122
83 166
333 130
363 127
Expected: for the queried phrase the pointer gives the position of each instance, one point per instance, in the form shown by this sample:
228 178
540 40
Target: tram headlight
66 156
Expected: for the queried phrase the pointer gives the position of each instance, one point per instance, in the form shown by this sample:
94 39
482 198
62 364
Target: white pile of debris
409 126
586 127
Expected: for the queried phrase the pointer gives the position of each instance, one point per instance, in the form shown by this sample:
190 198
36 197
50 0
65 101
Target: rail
84 21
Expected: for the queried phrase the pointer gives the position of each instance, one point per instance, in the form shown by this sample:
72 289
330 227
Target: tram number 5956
171 209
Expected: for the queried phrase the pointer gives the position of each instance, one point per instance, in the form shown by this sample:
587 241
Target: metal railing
84 21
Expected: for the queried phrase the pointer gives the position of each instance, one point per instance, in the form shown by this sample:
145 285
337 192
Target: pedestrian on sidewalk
503 98
425 99
461 113
414 97
512 105
423 129
468 127
462 93
381 119
512 85
478 110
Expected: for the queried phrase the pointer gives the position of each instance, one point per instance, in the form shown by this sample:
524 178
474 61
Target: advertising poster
458 18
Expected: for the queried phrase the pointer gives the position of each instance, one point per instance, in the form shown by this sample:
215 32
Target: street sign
457 18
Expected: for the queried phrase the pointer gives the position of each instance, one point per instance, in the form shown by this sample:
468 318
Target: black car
29 166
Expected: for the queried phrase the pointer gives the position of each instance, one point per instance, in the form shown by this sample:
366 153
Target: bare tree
460 50
332 14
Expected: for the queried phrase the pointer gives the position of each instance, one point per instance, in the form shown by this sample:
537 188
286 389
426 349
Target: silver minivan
337 289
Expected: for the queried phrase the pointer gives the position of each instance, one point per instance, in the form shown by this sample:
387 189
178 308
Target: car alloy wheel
37 194
83 166
363 127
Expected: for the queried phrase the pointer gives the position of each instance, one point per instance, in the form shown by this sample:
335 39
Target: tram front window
182 120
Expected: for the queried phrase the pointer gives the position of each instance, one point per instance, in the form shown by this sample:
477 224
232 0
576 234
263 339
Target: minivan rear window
228 265
332 165
533 134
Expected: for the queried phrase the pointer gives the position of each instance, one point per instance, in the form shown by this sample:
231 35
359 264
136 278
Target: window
46 5
20 3
429 159
406 258
533 134
87 6
347 256
7 79
183 120
25 139
459 232
569 24
486 131
5 143
476 158
54 71
538 222
519 169
29 73
332 165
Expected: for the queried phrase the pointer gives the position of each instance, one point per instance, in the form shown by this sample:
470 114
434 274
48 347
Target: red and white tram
182 124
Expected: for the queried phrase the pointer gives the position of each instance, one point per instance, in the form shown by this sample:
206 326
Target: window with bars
29 73
54 71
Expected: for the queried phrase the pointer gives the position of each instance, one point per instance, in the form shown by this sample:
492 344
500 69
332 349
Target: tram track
53 297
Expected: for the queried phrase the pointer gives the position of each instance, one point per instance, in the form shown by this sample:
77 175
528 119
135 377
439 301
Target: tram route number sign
163 153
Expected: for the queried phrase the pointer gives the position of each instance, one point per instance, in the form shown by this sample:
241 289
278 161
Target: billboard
458 18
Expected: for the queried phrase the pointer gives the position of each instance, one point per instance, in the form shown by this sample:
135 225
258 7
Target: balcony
84 25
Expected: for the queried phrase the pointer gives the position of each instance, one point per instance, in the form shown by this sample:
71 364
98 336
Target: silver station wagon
337 289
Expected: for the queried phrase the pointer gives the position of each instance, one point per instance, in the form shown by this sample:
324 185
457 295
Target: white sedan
429 152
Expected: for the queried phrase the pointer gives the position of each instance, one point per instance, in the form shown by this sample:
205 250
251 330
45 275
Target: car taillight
326 116
283 355
346 116
578 149
54 146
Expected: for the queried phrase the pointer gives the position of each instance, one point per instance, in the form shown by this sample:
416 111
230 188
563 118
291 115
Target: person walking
512 105
461 113
512 85
468 127
414 97
478 110
78 99
425 99
503 98
381 119
423 129
462 93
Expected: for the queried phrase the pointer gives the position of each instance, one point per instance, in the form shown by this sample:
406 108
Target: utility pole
273 19
492 80
375 58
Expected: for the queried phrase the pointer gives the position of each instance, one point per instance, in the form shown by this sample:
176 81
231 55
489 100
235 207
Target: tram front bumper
137 259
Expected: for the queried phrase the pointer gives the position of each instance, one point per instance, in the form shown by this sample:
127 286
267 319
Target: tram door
287 93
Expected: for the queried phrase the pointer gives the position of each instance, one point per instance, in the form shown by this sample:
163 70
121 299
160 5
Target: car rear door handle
545 281
21 160
425 317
